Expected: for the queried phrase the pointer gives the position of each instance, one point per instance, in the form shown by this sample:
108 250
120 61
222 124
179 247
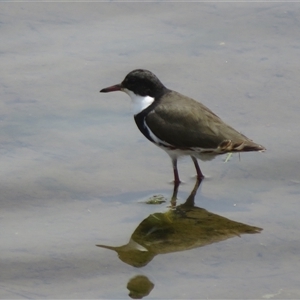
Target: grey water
76 172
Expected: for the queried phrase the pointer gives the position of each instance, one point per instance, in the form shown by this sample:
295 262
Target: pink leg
200 176
176 175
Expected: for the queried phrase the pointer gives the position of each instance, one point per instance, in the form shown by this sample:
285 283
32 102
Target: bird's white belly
196 152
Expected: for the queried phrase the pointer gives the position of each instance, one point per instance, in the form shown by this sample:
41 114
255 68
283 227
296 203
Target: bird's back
186 123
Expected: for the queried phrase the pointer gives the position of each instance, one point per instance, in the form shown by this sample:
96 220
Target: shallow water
76 172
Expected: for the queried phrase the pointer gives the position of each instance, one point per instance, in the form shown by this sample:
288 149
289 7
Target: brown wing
183 122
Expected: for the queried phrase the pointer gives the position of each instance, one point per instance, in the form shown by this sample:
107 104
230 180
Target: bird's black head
143 83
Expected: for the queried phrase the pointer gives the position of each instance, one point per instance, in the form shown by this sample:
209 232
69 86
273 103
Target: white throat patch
139 103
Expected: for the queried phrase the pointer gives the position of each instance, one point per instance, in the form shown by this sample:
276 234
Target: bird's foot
176 182
200 177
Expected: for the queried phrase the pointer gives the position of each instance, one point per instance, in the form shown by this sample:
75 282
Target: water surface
76 172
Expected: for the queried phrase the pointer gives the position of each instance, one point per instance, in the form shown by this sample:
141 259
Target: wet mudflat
76 172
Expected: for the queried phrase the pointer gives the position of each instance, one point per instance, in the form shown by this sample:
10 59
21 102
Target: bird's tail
241 146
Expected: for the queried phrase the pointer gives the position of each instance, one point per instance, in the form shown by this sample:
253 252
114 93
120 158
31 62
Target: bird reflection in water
182 227
139 286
